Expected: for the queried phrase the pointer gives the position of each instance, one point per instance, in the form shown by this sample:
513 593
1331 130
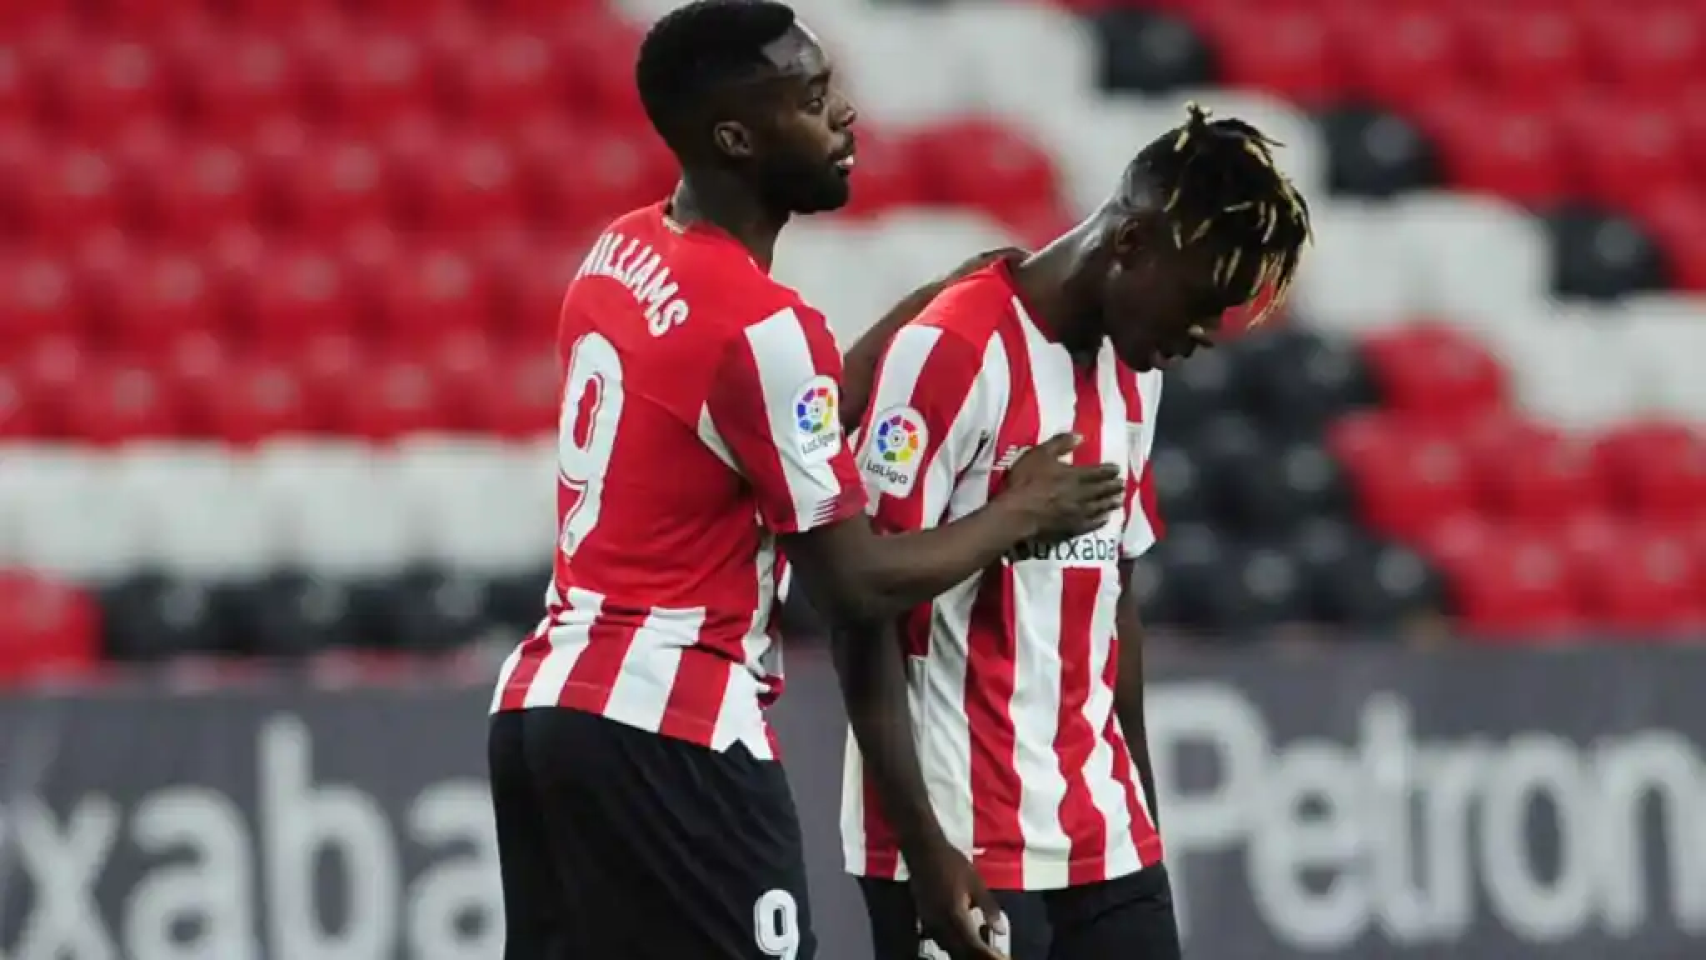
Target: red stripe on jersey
695 697
992 660
533 651
593 677
1074 737
882 856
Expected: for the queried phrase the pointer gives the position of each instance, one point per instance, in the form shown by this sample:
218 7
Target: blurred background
278 283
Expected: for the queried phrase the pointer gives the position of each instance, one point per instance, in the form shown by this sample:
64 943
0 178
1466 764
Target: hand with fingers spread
1058 500
954 905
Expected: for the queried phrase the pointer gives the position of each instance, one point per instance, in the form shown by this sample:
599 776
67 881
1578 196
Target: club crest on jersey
895 451
817 419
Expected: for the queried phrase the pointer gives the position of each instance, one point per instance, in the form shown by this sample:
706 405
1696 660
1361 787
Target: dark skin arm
1128 687
871 665
859 367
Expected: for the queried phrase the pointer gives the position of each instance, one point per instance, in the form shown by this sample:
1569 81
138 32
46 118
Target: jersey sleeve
930 408
773 414
1143 525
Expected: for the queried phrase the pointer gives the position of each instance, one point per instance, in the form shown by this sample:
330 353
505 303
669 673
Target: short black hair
1215 181
695 51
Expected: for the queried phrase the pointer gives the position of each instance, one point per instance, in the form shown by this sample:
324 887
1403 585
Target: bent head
741 86
1203 223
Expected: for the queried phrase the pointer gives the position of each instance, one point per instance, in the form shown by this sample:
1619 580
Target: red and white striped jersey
1011 672
700 419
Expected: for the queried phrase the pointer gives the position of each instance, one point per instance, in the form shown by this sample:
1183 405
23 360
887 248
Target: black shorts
619 844
1128 918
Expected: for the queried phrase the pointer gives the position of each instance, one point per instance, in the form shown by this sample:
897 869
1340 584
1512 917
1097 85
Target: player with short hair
640 809
1027 679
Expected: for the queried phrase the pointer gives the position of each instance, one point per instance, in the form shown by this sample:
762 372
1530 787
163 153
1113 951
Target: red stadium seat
1676 217
336 187
48 375
73 192
395 397
18 88
434 295
196 191
1623 149
193 368
1645 50
1284 51
38 297
613 172
1435 373
1489 146
473 187
166 298
300 296
236 81
1400 57
1642 581
107 82
119 402
465 365
1530 53
524 396
1405 479
985 166
1514 586
258 399
889 174
507 78
1534 476
331 367
48 630
598 53
1657 471
19 418
371 77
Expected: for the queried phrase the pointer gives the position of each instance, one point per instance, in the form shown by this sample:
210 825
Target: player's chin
826 196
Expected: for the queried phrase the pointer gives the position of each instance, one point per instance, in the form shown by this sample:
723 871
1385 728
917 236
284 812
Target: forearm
872 669
859 367
910 568
1128 695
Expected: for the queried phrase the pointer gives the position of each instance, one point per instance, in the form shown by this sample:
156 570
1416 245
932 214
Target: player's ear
1128 239
732 140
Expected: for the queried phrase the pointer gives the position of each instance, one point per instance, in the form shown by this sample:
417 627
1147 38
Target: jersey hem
1007 874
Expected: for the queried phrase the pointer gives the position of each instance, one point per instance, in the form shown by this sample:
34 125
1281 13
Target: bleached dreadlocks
1216 183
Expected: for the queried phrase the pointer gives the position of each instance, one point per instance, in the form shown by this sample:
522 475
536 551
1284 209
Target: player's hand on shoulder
954 906
1054 499
1011 255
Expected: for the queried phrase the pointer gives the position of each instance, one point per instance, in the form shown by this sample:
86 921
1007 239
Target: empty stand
278 282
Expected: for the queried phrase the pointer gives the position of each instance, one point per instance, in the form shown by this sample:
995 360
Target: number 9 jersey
700 418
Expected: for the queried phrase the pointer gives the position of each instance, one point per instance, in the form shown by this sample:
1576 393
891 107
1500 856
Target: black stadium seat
1143 51
154 616
1375 153
1602 256
291 614
1296 381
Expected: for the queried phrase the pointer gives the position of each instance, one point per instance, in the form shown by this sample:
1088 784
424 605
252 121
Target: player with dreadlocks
1027 679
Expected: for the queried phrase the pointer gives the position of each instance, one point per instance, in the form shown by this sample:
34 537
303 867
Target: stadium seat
1400 57
234 82
1434 374
107 82
505 78
52 630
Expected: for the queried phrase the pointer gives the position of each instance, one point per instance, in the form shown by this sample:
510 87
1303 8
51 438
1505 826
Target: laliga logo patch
896 449
817 419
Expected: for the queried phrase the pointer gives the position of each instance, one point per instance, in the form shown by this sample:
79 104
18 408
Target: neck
717 200
1047 279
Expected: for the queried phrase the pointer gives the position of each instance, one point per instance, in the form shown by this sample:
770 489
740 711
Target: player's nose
847 116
